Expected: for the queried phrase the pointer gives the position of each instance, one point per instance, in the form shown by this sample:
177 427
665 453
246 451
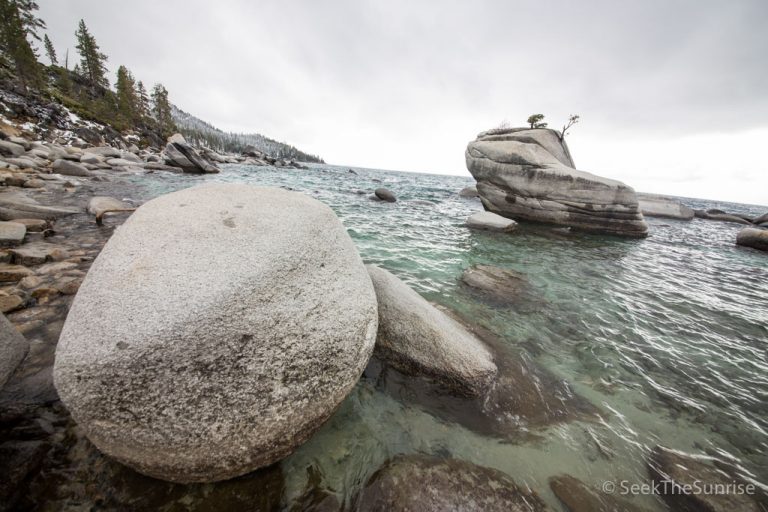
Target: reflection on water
665 336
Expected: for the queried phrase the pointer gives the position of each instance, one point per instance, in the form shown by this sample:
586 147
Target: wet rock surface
756 238
500 285
709 488
579 497
490 221
417 338
430 484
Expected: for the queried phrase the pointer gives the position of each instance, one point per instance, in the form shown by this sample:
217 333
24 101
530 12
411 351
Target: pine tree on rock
92 61
161 110
50 50
17 22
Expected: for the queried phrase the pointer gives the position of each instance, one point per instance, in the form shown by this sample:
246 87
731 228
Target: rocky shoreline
56 226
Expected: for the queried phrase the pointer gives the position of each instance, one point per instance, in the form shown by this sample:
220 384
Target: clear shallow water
667 335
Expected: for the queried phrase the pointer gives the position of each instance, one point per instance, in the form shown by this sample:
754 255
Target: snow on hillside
204 134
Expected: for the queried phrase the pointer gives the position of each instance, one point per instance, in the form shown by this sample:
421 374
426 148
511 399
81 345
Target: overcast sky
673 94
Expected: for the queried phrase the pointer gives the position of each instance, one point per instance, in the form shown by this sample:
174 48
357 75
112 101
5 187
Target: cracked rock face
528 175
220 326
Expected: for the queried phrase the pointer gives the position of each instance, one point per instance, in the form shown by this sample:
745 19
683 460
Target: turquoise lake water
666 336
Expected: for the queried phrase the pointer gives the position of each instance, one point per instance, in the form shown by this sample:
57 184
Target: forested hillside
204 134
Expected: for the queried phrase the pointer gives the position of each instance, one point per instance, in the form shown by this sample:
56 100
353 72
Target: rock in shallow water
13 349
385 195
217 330
415 337
653 205
528 175
490 222
502 285
672 471
753 237
579 497
429 484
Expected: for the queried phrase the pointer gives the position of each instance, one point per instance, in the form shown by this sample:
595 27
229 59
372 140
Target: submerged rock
217 330
529 175
653 205
415 337
672 470
579 497
757 238
502 285
430 484
490 222
385 195
13 349
18 461
469 192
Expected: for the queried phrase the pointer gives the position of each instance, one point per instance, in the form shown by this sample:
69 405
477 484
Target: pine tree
161 110
143 100
92 61
16 23
127 98
50 50
29 21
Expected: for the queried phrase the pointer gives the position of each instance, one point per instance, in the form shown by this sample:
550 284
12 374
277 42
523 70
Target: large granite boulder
179 154
431 484
653 205
13 349
757 238
417 338
526 174
220 326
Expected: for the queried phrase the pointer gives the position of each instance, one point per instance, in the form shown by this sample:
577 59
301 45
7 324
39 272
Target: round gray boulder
220 326
385 195
756 238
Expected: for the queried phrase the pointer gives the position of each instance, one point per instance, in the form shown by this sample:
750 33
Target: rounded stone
385 195
219 327
753 237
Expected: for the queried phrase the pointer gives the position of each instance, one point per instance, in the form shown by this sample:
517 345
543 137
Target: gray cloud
405 84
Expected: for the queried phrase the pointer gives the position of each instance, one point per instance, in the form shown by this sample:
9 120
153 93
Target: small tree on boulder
535 120
572 120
